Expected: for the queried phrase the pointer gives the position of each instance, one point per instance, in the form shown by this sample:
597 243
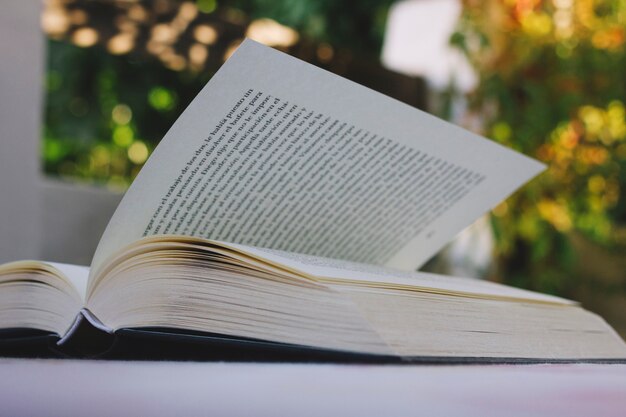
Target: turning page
277 153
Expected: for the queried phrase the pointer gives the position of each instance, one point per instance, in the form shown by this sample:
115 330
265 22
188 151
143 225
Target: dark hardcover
88 341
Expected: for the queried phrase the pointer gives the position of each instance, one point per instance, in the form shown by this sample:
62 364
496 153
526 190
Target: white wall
39 218
21 71
73 219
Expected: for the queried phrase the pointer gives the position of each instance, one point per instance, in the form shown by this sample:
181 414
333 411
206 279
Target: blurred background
545 77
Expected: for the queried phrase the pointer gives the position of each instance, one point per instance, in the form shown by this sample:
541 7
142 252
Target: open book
280 217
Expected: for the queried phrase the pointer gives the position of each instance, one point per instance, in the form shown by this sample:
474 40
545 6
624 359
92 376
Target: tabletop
97 388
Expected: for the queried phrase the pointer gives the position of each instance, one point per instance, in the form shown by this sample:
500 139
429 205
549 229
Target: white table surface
99 388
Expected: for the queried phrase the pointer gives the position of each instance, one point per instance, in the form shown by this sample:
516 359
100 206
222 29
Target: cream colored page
339 270
277 153
76 274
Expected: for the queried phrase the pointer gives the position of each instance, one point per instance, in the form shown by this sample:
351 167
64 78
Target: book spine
88 337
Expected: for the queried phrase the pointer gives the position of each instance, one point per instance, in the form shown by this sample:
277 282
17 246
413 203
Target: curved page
280 154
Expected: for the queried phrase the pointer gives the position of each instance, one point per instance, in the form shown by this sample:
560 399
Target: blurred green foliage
357 25
119 73
553 86
104 112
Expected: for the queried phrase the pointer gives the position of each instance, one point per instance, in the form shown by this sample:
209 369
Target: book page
340 271
76 274
277 153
